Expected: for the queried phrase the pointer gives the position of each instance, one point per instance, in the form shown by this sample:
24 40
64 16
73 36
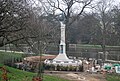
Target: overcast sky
75 7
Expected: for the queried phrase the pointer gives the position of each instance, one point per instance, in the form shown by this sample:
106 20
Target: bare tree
116 22
22 23
14 15
67 7
103 9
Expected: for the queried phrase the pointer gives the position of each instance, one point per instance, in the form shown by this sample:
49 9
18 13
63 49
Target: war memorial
61 58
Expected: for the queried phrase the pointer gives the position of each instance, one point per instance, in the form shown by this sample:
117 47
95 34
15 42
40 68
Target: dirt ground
78 76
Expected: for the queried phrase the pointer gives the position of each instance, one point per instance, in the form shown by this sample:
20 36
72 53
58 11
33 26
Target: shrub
63 68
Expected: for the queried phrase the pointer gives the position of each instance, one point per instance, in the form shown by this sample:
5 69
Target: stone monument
61 58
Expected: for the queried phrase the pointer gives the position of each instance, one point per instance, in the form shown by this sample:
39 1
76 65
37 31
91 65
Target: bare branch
86 4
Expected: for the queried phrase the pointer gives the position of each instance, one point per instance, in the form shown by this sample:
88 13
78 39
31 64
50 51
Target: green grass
19 75
93 46
88 46
113 77
11 54
4 56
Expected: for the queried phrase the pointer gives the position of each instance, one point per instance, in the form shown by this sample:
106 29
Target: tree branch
75 18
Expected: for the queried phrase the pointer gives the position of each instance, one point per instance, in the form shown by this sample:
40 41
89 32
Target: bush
58 68
49 67
80 68
63 68
52 67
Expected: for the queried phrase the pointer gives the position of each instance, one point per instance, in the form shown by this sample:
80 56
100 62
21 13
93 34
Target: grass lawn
93 46
4 56
113 77
19 75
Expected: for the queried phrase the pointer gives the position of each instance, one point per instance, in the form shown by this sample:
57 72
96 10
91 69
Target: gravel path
78 76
